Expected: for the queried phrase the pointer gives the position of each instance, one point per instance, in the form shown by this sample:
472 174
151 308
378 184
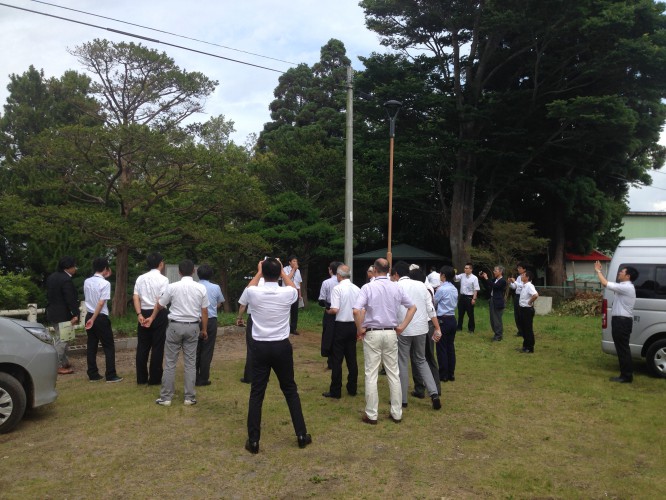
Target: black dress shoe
200 384
527 351
367 420
452 378
252 446
394 420
436 403
330 395
443 379
418 395
621 380
245 381
304 440
404 405
497 339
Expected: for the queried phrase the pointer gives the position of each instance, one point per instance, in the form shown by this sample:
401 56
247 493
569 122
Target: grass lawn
547 425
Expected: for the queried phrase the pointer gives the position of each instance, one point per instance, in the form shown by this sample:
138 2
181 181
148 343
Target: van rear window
651 281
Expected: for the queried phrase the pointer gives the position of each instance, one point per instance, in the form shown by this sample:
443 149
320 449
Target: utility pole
349 177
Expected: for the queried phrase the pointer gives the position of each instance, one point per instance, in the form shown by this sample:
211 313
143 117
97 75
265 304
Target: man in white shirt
206 347
271 349
469 288
433 278
189 306
150 341
97 292
343 296
328 321
622 317
414 336
516 285
294 274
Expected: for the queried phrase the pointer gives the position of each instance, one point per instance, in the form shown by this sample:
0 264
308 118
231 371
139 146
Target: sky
285 33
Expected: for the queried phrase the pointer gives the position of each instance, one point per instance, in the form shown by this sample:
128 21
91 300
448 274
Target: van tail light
604 314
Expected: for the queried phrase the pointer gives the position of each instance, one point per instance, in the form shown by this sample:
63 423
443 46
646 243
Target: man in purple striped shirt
376 317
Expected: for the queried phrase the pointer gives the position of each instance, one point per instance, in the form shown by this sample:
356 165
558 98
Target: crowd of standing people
401 316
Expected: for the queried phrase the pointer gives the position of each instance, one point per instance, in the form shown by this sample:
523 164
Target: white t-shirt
343 297
271 305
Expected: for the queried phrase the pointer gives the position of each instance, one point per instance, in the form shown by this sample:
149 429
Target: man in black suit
62 305
497 287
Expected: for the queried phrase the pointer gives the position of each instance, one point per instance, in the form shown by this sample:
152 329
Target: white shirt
150 287
327 287
96 288
417 291
343 296
187 298
517 285
526 294
468 284
271 305
625 298
296 278
243 298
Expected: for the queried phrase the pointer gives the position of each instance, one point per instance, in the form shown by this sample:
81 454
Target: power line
165 32
134 35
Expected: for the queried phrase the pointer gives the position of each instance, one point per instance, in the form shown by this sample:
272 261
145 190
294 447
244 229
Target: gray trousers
185 336
61 348
496 321
431 359
415 344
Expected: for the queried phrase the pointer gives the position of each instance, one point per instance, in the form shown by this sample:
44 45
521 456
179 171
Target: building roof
401 251
594 255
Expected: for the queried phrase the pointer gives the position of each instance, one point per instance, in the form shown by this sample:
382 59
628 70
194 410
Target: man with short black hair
206 347
62 306
469 289
622 317
271 349
97 291
294 273
328 321
150 340
188 318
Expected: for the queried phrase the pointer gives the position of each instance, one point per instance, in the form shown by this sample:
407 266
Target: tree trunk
556 268
119 308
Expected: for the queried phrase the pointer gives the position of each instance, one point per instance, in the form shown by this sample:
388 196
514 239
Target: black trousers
327 333
278 356
101 332
465 306
293 317
431 359
516 313
527 327
621 328
446 349
205 350
247 373
150 344
344 347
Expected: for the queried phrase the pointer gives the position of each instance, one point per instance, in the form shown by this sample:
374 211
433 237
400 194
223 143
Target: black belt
380 328
185 322
444 317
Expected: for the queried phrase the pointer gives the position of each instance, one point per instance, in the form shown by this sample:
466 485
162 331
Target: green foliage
17 291
507 243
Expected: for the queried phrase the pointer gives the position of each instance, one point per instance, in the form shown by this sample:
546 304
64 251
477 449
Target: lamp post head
392 108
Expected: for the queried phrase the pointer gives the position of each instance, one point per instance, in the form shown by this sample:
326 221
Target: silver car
28 370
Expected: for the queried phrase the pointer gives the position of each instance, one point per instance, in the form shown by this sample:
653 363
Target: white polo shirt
187 299
343 296
271 305
150 287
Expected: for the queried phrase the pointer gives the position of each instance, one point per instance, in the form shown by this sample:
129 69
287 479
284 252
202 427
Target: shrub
581 304
16 291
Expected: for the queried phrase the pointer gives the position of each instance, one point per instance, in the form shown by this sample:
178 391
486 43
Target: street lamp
392 109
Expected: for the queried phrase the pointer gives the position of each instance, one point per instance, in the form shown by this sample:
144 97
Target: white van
648 336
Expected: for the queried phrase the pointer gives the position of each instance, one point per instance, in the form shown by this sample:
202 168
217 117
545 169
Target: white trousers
381 347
